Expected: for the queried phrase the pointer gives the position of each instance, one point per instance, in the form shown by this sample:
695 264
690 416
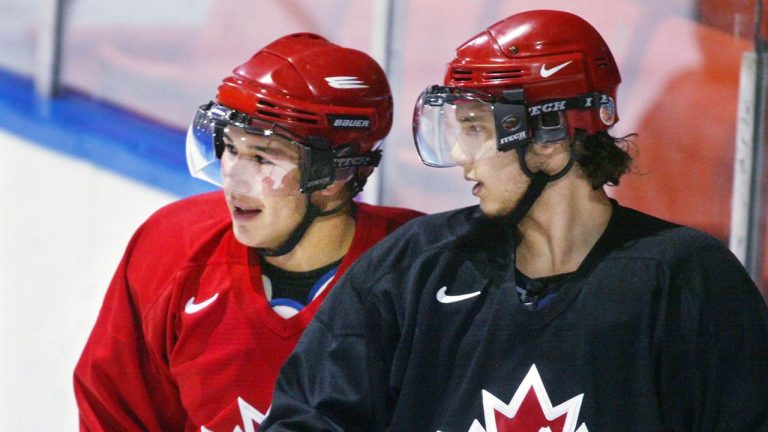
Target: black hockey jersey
660 329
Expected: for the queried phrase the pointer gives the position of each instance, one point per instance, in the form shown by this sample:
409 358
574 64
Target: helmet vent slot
462 75
285 113
601 62
496 75
268 114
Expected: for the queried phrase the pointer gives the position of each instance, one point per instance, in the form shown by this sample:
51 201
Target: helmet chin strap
539 181
310 214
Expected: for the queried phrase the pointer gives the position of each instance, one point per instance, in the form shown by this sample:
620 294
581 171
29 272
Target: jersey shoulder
394 216
643 234
373 223
193 212
183 223
188 231
694 261
415 237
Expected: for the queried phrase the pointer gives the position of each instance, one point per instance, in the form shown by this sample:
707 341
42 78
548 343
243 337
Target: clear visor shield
242 157
453 128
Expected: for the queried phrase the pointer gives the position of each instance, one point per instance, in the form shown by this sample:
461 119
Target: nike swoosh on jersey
192 307
442 297
545 73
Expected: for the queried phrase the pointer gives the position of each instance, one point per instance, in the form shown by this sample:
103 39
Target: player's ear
546 151
343 176
333 195
549 158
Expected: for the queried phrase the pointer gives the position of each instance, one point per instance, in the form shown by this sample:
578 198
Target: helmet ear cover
551 127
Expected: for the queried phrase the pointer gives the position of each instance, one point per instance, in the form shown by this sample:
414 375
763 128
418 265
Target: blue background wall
77 177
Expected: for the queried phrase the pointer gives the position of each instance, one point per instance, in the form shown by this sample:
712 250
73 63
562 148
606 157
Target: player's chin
489 208
494 209
250 237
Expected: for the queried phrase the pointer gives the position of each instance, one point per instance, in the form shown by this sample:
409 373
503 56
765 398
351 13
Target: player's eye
231 149
261 160
474 130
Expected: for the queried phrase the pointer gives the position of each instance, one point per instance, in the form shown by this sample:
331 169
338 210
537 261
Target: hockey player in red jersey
547 307
214 291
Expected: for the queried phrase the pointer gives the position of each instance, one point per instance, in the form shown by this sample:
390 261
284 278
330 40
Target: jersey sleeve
714 369
335 380
119 384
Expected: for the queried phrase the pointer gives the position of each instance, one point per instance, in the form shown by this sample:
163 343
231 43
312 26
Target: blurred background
95 97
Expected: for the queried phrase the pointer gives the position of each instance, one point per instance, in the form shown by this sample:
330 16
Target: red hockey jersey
186 338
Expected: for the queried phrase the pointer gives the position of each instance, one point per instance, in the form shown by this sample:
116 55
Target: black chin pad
550 127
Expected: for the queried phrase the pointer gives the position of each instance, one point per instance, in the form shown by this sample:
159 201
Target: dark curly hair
604 158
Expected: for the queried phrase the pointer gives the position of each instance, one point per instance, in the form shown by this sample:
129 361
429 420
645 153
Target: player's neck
327 240
562 227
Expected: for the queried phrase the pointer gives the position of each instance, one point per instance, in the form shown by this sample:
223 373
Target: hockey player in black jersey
548 307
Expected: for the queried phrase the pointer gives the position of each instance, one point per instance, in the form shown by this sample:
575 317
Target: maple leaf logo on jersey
250 416
530 410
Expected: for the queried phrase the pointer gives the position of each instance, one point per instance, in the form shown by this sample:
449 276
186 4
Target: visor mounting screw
514 50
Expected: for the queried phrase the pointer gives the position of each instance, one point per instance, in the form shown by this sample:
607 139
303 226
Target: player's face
499 182
261 183
476 137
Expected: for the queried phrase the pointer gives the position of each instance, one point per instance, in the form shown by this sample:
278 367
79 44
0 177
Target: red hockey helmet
538 75
333 102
